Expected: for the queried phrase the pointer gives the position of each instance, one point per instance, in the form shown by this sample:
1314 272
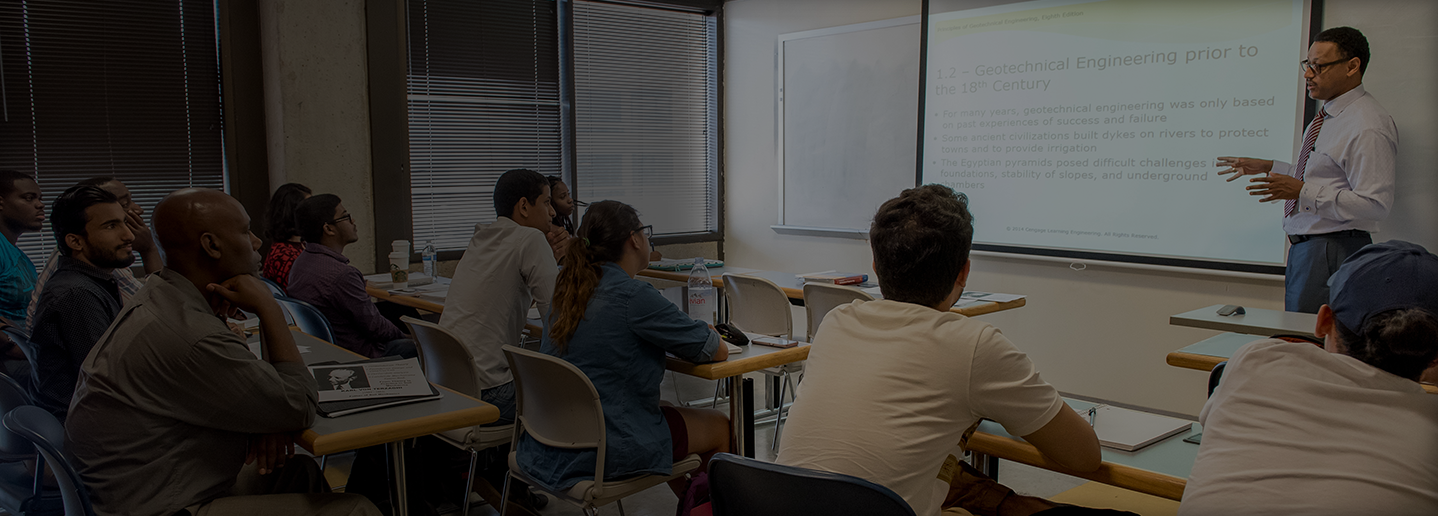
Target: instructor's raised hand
1243 166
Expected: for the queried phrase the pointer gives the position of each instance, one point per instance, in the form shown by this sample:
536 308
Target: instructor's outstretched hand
1244 166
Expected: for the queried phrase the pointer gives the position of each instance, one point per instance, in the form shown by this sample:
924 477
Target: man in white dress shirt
1342 183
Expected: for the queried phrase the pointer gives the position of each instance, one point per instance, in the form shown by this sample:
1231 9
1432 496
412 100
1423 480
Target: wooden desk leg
399 498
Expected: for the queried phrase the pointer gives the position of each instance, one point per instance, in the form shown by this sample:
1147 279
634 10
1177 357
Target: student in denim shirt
617 329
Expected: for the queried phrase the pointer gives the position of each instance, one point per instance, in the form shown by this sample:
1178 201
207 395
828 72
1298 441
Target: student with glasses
322 276
617 329
1342 185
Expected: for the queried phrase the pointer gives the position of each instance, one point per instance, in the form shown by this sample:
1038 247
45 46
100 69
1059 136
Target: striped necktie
1290 207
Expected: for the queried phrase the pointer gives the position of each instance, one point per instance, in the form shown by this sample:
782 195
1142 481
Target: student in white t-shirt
1344 429
893 385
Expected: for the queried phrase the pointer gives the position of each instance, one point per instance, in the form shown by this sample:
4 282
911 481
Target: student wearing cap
1343 429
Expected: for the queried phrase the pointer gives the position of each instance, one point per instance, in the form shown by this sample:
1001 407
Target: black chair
1215 376
16 482
307 317
747 487
48 435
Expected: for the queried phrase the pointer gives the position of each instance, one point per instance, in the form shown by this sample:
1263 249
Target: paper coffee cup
399 270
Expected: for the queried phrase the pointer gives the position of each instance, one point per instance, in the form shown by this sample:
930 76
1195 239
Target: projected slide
1094 126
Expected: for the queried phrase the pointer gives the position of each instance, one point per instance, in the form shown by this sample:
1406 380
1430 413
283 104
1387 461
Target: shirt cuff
1282 167
711 348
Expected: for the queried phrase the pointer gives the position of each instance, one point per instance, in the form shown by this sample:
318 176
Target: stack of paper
347 388
382 280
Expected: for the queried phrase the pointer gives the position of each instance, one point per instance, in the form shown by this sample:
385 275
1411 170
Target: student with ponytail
616 329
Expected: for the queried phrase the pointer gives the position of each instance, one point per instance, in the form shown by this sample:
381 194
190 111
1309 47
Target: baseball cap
1382 277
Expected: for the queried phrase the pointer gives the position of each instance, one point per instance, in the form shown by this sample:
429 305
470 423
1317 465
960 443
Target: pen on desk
1092 413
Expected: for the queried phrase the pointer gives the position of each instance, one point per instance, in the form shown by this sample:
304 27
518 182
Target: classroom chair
307 318
275 288
48 435
558 406
447 362
16 482
820 298
748 487
758 305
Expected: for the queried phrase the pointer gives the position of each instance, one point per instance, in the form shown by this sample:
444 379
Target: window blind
646 113
483 98
125 88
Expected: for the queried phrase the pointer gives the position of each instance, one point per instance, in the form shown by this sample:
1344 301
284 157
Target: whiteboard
848 98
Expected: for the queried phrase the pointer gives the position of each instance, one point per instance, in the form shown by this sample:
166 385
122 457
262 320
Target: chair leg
779 415
619 503
504 495
468 481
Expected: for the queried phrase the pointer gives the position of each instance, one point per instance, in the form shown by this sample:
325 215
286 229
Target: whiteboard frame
782 227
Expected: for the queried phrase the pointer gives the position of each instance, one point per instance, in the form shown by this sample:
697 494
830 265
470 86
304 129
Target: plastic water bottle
429 258
702 303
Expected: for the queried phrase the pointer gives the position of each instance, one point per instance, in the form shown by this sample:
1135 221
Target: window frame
386 27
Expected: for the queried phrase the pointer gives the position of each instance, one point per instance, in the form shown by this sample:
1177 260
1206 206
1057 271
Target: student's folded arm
655 319
357 302
1068 440
241 392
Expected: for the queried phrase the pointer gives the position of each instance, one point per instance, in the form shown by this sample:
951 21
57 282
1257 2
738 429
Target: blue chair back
741 486
12 396
275 288
308 318
48 435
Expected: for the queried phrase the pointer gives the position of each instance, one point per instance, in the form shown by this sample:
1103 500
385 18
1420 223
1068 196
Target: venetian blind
124 88
483 90
646 113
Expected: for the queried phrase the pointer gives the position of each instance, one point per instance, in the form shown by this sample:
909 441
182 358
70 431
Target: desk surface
1160 469
333 435
1206 354
794 287
753 358
1256 321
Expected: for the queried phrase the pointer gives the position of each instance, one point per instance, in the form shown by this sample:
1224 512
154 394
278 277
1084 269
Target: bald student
172 414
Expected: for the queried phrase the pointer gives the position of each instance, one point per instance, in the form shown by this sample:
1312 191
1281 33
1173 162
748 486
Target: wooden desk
1256 321
753 358
794 288
1206 354
1160 469
410 301
388 426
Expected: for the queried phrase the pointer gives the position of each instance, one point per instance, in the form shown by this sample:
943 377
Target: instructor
1342 183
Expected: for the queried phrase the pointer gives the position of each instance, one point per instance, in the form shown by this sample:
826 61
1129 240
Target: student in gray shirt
171 405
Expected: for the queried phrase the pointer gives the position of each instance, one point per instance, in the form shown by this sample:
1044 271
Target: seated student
21 211
171 404
616 329
1343 429
893 385
507 266
82 297
563 205
322 276
285 241
144 244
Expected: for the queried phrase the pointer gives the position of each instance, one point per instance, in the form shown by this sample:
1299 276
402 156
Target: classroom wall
317 105
1098 331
